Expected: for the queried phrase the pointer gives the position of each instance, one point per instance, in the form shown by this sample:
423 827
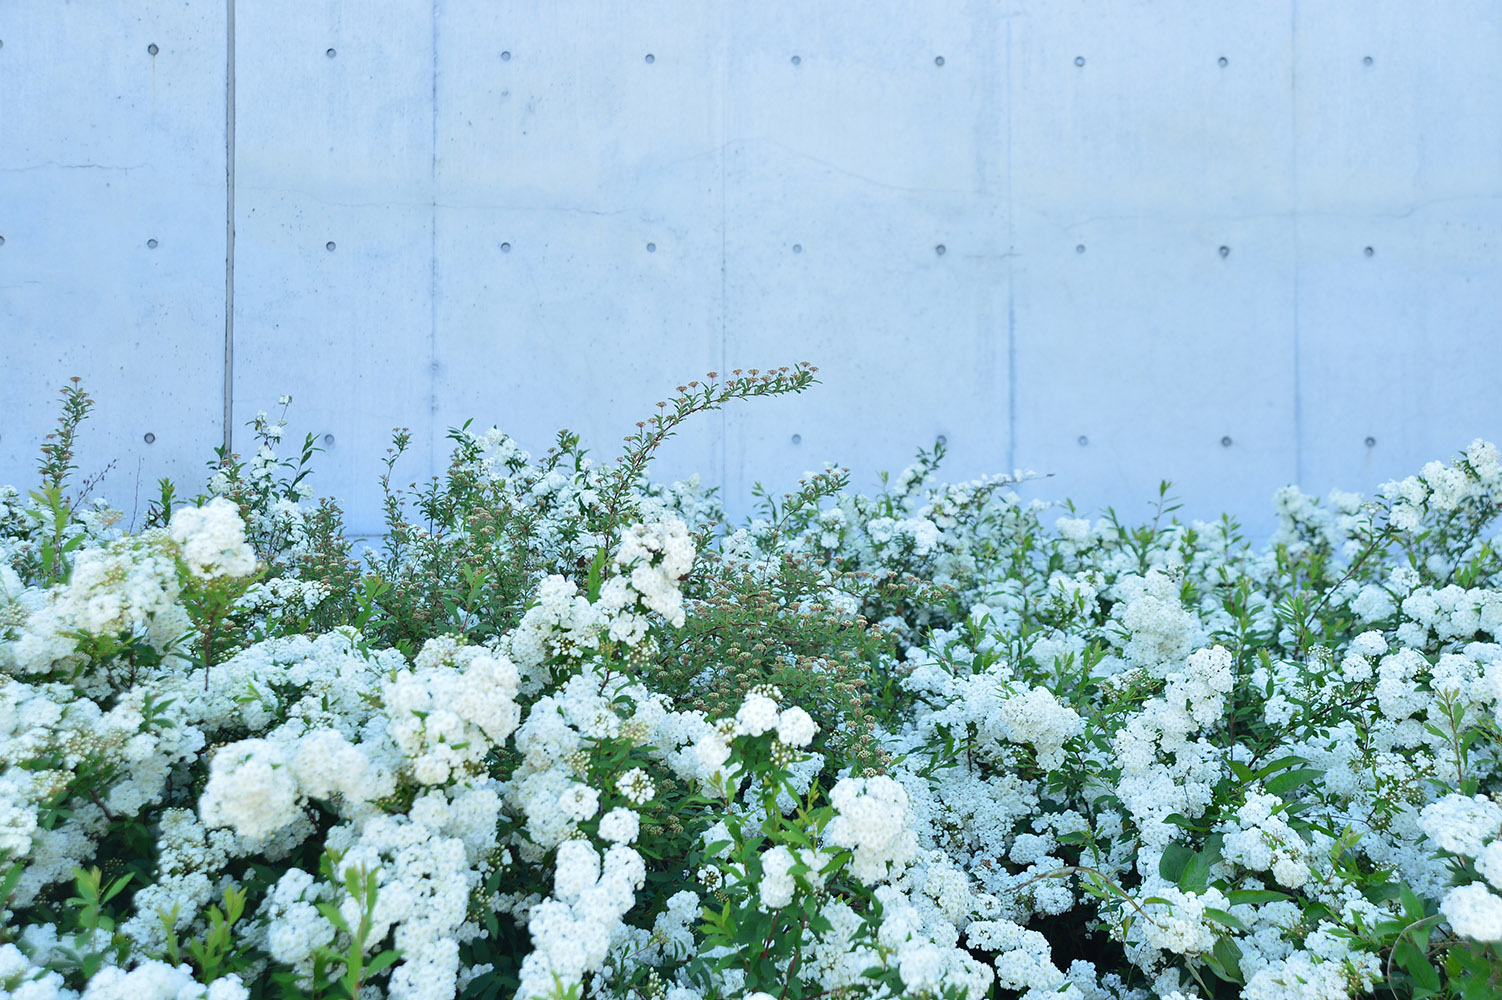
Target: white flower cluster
563 623
1160 631
1470 827
1204 751
1260 840
1444 488
572 932
652 558
125 586
1163 769
986 705
211 540
871 820
447 712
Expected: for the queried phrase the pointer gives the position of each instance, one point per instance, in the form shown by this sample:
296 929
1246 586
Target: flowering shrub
565 734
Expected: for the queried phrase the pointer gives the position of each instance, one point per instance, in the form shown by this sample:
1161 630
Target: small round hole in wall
1225 442
151 244
1222 62
651 248
328 440
651 58
797 60
329 246
152 49
1368 251
938 60
505 248
1371 442
331 53
150 438
1079 248
941 249
506 56
797 439
1082 440
1225 251
1079 60
797 248
1366 61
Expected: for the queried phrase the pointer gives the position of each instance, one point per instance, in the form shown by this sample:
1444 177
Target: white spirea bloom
654 557
577 868
1461 824
776 889
636 785
1161 632
795 727
445 716
620 825
579 802
159 981
251 789
1037 718
21 980
872 820
712 752
1474 911
1489 863
324 764
211 539
757 714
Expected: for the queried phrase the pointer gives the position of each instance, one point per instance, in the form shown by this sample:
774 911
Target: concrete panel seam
1293 102
229 227
433 263
1011 276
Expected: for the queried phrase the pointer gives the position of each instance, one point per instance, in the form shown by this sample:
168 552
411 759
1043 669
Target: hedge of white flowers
563 732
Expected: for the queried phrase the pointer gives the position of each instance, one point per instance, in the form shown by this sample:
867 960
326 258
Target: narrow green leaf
1239 897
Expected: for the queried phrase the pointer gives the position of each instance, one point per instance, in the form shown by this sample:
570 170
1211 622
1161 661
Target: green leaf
332 915
1289 780
1293 760
1239 897
1228 955
1413 907
1175 860
1222 917
1196 875
1179 820
1413 961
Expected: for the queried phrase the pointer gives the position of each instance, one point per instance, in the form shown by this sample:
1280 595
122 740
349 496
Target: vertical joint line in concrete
1011 278
724 270
1293 105
229 227
433 262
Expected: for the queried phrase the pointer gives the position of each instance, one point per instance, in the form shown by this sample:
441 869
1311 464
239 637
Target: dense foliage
563 732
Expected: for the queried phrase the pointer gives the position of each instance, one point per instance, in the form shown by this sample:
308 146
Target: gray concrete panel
865 233
1125 111
1402 346
334 262
579 223
112 218
1154 220
1148 356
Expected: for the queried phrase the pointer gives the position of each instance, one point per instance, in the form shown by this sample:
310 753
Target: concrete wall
1237 245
